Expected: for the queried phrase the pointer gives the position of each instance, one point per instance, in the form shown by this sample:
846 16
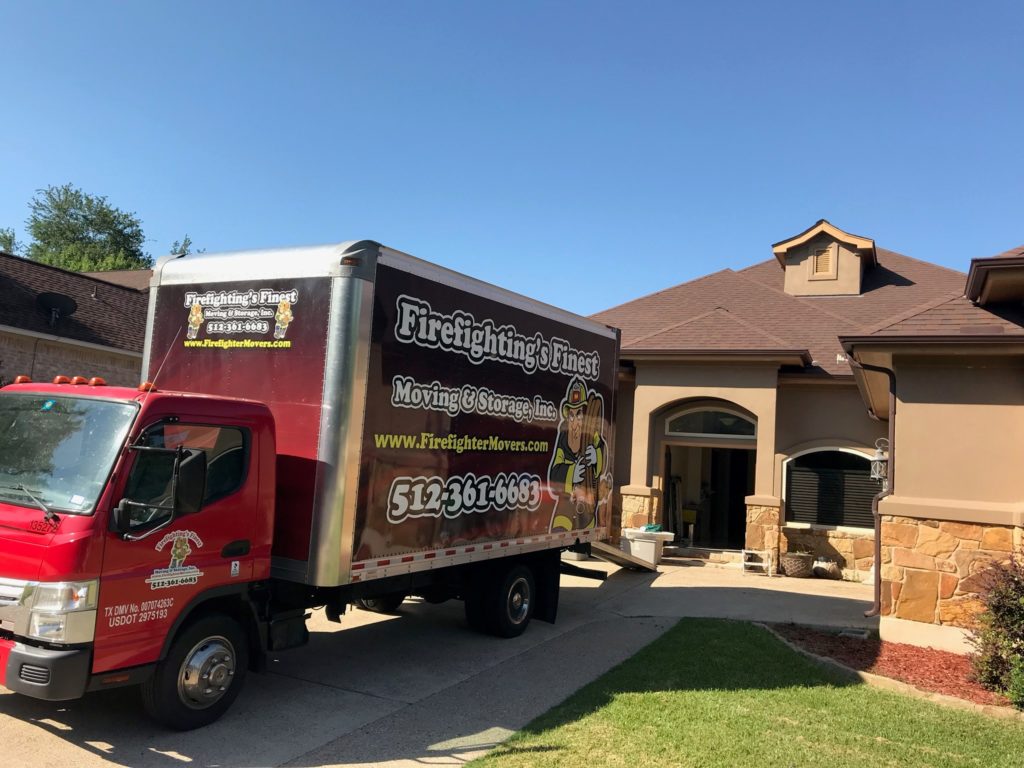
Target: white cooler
647 545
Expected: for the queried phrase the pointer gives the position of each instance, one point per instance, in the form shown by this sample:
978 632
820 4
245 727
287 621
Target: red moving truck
319 426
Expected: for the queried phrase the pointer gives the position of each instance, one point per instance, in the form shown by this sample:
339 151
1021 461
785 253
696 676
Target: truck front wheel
200 677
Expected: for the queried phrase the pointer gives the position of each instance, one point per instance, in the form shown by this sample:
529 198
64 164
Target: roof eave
801 357
983 270
851 343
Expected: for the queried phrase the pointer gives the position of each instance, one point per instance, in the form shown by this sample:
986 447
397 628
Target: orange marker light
61 380
77 380
146 386
96 381
23 379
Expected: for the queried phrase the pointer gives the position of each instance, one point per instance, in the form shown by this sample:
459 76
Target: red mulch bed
925 668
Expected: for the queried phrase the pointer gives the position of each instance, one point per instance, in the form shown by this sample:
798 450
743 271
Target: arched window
710 422
830 487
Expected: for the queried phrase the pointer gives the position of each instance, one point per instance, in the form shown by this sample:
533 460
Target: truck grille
31 673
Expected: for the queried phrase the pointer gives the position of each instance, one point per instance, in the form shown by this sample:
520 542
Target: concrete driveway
419 688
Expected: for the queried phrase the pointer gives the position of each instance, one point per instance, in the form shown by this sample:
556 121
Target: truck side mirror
190 485
120 518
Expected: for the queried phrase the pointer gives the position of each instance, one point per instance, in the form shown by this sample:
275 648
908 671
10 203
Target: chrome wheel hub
519 601
206 673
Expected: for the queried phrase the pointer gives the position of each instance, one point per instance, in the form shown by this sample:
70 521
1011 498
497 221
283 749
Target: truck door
150 576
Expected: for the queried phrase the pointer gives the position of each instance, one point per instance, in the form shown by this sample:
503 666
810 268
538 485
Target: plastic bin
647 545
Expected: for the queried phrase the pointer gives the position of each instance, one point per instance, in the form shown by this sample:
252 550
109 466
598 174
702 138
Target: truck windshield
59 449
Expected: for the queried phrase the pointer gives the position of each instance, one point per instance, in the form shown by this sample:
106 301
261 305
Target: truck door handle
236 548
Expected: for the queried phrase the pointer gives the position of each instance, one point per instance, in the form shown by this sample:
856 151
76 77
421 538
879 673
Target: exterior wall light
880 463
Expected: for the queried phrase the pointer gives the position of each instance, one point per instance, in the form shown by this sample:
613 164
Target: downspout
890 475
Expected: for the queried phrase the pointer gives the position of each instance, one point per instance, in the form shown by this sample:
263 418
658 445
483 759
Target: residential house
54 322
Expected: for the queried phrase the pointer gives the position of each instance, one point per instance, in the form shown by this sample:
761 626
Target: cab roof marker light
147 386
61 380
79 380
97 381
23 379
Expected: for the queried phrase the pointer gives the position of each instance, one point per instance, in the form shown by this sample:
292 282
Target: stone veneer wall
853 551
638 510
933 571
763 529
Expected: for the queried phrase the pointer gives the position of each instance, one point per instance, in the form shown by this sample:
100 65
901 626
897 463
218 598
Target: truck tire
509 602
381 603
202 674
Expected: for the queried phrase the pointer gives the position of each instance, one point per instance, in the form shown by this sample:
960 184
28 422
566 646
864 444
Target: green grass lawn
720 693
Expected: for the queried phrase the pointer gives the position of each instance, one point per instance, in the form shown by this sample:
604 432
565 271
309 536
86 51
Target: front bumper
43 673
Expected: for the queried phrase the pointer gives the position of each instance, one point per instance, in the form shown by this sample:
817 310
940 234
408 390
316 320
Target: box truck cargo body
321 426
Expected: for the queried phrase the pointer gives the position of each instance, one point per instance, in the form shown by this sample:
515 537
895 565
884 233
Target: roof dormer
825 261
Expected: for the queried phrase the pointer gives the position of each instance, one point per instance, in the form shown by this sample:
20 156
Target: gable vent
822 261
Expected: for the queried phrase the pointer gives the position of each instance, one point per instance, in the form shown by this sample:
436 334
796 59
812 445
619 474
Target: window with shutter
830 488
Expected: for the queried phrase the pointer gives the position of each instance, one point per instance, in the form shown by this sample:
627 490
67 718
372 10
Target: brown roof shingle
129 278
749 309
107 314
957 316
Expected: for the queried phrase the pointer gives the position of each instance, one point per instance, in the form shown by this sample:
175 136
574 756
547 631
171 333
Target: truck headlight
63 611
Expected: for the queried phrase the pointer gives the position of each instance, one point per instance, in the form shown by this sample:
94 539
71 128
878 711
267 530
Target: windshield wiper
48 514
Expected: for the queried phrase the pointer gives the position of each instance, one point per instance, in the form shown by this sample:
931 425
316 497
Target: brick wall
42 359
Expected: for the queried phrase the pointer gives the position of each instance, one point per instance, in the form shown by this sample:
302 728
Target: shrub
999 657
1015 688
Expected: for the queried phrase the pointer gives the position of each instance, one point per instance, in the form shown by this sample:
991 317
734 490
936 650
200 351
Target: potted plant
798 563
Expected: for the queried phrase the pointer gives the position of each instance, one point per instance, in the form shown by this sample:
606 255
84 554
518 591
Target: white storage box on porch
647 545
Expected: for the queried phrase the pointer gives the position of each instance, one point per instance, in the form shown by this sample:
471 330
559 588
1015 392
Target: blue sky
581 153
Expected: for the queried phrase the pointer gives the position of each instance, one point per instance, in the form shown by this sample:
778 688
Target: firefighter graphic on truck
576 474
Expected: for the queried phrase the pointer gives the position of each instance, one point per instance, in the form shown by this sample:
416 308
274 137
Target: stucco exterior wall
659 385
823 416
959 432
43 358
958 505
800 278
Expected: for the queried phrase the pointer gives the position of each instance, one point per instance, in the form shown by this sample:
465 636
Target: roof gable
863 246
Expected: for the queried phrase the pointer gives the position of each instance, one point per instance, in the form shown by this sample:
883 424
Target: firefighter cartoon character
179 551
282 318
576 472
195 320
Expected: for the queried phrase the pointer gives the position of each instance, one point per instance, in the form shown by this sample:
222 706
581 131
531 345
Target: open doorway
705 495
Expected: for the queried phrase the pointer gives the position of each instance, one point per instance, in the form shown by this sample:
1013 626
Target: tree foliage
184 246
8 242
74 230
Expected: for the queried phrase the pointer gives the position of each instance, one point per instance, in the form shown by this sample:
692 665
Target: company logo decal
240 319
176 574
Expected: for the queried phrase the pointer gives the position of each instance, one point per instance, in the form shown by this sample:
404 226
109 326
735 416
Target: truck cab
124 513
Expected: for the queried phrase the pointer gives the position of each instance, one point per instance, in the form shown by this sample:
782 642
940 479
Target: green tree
8 243
183 246
83 233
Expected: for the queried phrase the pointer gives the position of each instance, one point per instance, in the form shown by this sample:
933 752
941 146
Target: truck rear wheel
381 603
509 602
201 676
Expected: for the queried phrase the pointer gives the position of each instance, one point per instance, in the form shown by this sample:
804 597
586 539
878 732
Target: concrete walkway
417 689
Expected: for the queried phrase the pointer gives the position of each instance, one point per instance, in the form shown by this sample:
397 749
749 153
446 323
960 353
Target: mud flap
546 568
